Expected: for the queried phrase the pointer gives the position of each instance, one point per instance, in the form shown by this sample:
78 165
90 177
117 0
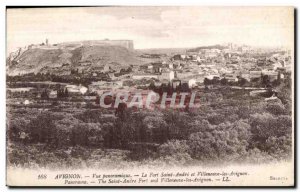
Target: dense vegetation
234 129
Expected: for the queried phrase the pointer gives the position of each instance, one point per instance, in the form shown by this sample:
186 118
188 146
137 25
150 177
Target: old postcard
150 96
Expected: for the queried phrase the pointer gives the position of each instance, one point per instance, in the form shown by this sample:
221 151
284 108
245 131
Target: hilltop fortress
128 44
50 57
75 44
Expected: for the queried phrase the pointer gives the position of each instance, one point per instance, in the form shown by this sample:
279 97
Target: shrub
216 118
279 147
276 109
255 156
177 125
79 134
175 152
265 126
90 116
199 126
156 128
139 154
80 152
42 128
15 127
224 141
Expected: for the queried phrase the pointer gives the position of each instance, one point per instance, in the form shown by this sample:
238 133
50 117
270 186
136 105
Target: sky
153 27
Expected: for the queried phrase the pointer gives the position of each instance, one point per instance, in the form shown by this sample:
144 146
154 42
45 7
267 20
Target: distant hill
60 60
197 49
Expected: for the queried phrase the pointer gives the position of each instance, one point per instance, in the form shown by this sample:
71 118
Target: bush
42 128
140 153
86 134
255 156
173 147
90 116
265 126
156 128
121 132
279 147
225 141
177 125
216 118
276 109
15 127
80 152
175 152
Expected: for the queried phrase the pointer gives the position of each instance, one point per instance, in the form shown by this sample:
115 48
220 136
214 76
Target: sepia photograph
150 96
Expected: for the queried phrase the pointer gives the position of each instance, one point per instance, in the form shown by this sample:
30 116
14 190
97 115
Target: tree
152 86
79 134
224 81
42 128
264 126
177 125
44 94
223 141
175 152
15 127
66 94
59 93
265 80
242 81
123 132
276 109
120 111
216 118
156 128
206 81
185 87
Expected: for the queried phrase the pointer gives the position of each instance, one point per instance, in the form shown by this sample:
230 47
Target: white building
167 75
192 83
76 89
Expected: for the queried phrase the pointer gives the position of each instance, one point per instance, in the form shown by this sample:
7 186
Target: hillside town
193 69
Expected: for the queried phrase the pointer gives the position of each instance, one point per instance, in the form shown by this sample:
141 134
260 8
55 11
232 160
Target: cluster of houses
192 68
229 62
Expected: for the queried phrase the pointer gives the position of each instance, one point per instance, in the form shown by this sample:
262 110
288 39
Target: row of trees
72 78
263 81
169 88
61 93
